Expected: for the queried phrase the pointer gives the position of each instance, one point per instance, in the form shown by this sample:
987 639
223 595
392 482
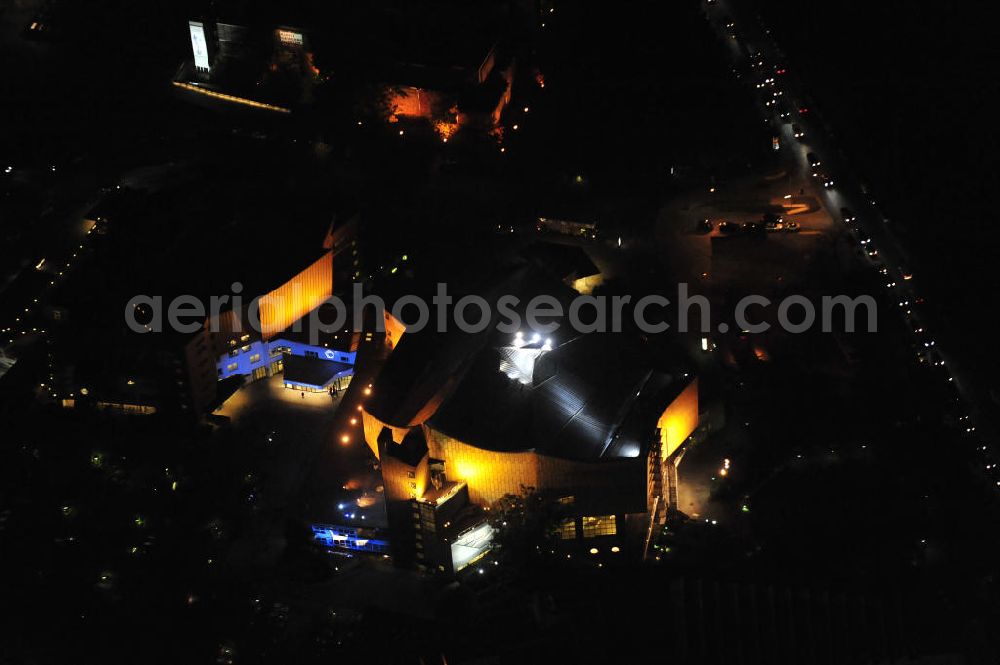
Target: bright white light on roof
535 338
471 545
518 363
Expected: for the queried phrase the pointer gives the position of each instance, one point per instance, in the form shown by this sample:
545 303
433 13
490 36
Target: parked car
823 178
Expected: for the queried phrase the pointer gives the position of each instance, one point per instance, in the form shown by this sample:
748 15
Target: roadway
762 62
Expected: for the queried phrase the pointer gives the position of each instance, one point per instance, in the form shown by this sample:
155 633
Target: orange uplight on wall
679 419
297 297
412 102
489 474
394 329
466 471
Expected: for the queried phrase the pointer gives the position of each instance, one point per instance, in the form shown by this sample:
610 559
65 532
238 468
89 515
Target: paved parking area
292 434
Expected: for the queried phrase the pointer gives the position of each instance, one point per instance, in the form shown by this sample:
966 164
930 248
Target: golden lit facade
491 475
404 481
394 329
678 420
586 285
604 486
373 427
294 299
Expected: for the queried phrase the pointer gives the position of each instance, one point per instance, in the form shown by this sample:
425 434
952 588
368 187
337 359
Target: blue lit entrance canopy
348 538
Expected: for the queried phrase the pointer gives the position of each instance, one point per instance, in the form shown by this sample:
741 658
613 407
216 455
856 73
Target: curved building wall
489 474
606 486
615 486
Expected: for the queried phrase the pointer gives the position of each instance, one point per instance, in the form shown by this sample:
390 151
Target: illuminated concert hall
471 419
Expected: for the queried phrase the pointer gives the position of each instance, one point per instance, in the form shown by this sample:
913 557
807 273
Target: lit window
255 358
567 529
231 366
601 525
244 338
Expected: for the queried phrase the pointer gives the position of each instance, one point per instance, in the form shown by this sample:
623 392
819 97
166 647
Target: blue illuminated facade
260 358
348 538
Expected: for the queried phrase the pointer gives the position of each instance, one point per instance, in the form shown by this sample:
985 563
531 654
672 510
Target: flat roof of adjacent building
313 371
